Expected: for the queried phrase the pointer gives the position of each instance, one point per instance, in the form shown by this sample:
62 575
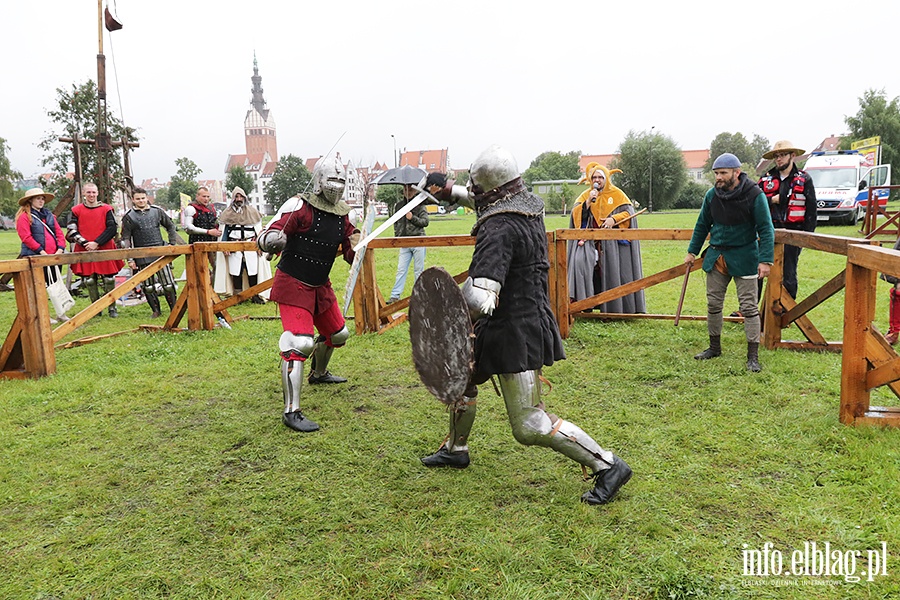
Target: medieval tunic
620 260
521 334
740 229
96 224
301 278
240 224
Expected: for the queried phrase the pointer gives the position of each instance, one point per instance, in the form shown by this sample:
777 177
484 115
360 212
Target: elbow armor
460 195
272 241
481 295
73 236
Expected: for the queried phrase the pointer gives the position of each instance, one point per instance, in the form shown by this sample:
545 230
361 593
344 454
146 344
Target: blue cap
727 161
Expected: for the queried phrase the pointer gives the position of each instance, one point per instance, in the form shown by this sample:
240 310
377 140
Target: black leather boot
753 357
445 458
608 482
296 421
714 350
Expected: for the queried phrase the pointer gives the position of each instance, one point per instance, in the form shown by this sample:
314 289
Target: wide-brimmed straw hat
783 146
34 193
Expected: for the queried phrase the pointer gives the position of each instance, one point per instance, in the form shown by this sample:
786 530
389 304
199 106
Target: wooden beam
178 310
772 308
883 374
859 310
632 287
829 289
802 321
625 234
95 308
11 352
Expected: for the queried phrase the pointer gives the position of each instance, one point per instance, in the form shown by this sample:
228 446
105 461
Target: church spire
257 100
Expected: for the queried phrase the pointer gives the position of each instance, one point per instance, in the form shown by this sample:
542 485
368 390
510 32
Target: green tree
184 181
289 179
549 166
8 194
749 153
238 177
74 115
691 195
559 200
877 116
390 195
643 153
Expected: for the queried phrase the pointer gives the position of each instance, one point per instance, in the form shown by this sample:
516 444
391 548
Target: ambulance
842 179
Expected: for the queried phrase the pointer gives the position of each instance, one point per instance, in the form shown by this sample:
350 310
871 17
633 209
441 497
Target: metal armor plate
440 332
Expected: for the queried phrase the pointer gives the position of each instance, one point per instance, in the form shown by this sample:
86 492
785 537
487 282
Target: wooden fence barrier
28 350
868 360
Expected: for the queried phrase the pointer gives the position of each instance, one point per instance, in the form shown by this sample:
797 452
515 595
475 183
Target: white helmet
493 167
329 179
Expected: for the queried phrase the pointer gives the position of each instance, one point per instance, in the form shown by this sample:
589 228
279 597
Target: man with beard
309 231
792 202
736 217
507 293
92 227
240 222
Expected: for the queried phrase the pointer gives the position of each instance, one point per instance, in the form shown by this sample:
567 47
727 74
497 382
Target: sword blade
368 221
398 214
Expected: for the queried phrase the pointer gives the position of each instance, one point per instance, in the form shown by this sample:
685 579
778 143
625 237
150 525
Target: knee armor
290 343
341 337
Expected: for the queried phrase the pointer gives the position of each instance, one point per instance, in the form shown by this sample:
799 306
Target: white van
842 179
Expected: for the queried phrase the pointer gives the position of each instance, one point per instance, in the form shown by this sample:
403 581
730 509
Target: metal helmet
493 167
329 179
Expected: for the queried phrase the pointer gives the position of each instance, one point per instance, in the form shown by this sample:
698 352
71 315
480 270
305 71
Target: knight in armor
140 229
309 231
240 222
515 331
201 221
91 227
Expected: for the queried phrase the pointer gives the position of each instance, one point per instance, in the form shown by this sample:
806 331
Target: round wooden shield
440 332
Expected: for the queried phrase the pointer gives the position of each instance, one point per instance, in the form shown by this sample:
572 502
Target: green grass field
156 465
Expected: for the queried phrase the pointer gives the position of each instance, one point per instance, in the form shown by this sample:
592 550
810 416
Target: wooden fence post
859 311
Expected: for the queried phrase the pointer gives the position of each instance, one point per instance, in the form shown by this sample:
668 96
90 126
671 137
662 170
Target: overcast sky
460 75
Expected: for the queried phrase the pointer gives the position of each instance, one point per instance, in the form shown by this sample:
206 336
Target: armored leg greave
291 383
531 425
109 283
321 355
90 282
167 279
462 416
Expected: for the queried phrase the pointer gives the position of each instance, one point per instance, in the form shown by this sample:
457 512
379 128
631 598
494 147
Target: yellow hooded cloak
609 199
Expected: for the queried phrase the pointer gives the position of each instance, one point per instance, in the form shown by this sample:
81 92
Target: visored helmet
329 179
493 167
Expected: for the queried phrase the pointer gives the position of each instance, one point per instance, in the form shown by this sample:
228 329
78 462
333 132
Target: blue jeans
417 255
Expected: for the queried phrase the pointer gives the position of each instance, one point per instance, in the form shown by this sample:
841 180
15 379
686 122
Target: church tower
259 124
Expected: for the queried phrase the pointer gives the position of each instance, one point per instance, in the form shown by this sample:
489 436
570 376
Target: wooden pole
687 274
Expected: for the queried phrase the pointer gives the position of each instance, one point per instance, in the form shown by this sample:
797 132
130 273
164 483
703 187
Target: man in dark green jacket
736 217
413 225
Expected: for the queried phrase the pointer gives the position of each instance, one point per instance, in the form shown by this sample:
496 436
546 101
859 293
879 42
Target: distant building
261 146
694 160
427 160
